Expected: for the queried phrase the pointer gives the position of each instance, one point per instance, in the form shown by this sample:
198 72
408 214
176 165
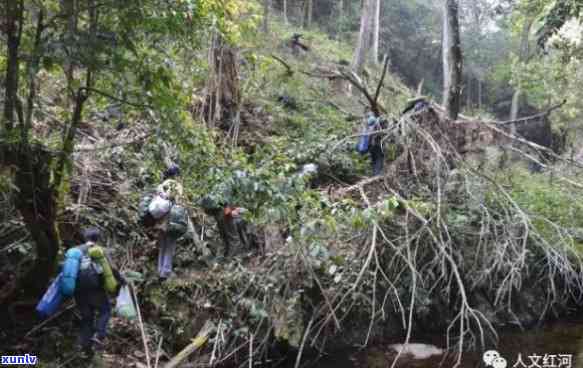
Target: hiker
229 217
95 282
309 173
230 223
164 216
172 191
371 142
296 45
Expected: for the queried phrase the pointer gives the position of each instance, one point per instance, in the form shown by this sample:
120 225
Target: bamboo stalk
158 352
197 342
144 337
251 352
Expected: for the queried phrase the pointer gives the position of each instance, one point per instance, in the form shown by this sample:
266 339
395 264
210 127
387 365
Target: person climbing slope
94 283
230 223
164 213
371 142
171 190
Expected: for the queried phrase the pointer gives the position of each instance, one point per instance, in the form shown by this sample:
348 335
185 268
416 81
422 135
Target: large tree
452 59
364 36
518 97
376 33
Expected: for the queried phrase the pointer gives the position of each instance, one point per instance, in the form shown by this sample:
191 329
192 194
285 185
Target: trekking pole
158 351
144 338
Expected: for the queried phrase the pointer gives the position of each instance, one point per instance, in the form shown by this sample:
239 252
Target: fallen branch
91 147
380 85
533 145
361 184
353 79
534 117
306 333
289 70
197 342
120 100
48 320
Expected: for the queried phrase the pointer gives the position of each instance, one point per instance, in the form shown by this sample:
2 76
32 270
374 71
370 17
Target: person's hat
92 234
172 171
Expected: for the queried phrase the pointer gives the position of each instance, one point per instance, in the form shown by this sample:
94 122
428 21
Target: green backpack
177 221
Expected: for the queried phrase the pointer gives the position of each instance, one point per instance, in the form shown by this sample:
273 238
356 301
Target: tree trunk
80 98
420 88
69 9
340 19
223 89
33 67
376 32
13 27
266 8
308 10
364 36
285 12
479 94
469 93
37 204
518 99
452 59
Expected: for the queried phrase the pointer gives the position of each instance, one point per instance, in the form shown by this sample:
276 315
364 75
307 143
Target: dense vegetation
477 222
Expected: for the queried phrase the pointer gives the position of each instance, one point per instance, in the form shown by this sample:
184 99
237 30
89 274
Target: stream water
556 345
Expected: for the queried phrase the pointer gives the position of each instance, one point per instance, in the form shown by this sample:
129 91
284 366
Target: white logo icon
499 363
493 359
490 356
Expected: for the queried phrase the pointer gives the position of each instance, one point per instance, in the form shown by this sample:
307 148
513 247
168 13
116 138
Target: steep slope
342 259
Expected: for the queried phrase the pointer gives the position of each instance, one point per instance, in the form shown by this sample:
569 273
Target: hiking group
165 217
87 274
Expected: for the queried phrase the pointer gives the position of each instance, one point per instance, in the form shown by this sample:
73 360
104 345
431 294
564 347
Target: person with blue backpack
370 142
88 276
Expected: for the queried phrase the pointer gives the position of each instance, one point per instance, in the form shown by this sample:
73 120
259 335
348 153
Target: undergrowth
382 256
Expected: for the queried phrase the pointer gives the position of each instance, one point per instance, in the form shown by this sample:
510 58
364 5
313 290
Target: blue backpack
363 142
51 300
371 125
70 271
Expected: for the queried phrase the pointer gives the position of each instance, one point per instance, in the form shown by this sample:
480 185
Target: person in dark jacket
297 46
230 223
377 155
91 296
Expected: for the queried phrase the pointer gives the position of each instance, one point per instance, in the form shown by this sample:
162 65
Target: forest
291 183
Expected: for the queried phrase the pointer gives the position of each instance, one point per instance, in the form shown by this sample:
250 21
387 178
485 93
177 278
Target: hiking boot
86 354
167 276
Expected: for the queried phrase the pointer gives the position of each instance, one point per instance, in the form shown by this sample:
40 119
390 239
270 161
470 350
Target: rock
418 351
